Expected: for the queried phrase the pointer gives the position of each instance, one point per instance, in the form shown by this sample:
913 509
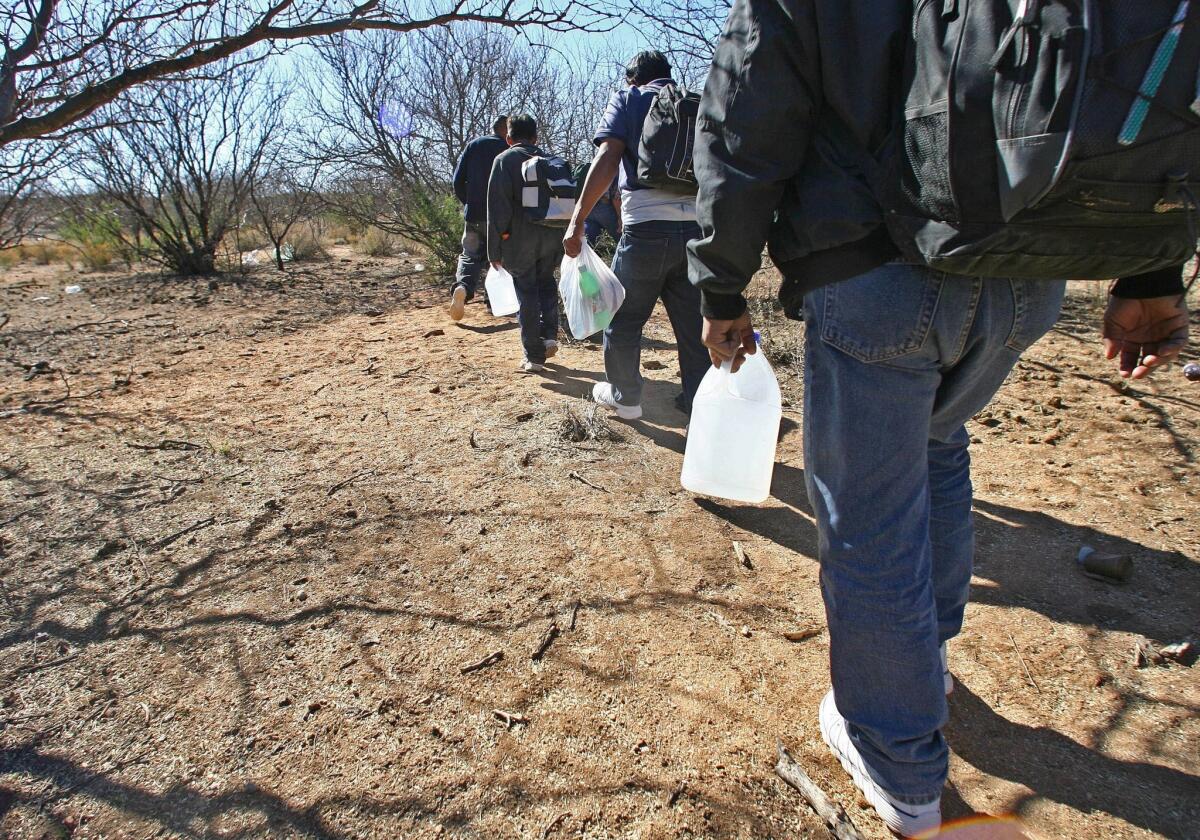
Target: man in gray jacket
795 119
528 250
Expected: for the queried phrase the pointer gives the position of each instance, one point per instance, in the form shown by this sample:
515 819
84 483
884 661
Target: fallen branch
574 612
553 824
510 719
580 478
490 659
195 526
167 445
341 485
742 557
788 769
1032 681
547 639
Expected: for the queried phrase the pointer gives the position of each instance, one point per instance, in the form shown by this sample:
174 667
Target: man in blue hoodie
471 186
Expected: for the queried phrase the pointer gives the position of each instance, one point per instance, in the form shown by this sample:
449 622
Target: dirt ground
246 560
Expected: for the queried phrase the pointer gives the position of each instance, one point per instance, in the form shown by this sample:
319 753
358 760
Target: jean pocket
1036 306
882 315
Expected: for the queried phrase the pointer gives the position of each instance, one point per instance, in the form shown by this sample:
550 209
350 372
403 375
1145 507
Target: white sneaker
551 348
458 303
531 367
902 818
602 393
947 680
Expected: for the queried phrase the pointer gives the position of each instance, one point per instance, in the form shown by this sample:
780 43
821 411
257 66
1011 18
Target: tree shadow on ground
1159 799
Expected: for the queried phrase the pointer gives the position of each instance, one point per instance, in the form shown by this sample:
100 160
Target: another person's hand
498 264
729 339
573 239
1144 333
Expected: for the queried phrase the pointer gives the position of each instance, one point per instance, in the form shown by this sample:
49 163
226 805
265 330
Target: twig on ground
195 526
591 484
490 659
742 557
553 824
547 639
510 719
574 612
322 388
788 769
167 445
1021 658
341 485
801 635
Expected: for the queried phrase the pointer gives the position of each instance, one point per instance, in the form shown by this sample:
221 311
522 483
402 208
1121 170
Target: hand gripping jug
502 294
732 435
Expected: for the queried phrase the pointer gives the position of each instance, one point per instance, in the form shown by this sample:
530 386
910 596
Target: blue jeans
473 259
651 262
897 360
537 294
602 218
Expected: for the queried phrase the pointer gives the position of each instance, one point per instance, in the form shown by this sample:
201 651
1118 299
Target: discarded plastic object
1192 371
732 435
1113 568
502 294
73 289
418 267
591 293
250 258
287 253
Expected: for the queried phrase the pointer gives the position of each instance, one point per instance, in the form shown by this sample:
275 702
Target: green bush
96 234
439 217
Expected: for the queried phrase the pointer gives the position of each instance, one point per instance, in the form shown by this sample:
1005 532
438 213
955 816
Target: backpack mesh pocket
926 175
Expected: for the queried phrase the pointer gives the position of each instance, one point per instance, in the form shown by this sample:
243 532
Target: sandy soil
244 563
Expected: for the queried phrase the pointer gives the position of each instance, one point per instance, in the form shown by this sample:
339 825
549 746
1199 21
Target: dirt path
241 579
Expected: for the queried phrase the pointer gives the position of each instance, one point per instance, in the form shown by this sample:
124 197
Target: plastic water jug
589 287
733 431
502 294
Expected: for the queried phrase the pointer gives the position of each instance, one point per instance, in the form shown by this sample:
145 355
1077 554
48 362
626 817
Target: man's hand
1143 334
498 264
573 239
729 340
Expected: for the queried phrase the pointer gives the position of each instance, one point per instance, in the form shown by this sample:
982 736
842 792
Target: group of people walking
898 355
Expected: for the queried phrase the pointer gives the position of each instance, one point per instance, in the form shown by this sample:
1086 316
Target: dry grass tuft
377 243
588 425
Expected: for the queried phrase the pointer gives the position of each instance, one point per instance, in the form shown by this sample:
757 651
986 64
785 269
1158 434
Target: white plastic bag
502 294
591 293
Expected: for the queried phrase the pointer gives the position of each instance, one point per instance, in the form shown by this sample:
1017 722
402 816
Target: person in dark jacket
528 250
796 114
470 186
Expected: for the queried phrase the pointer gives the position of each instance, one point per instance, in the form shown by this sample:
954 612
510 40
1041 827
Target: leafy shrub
96 235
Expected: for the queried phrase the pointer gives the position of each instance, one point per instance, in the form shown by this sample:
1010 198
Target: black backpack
1049 138
668 136
549 191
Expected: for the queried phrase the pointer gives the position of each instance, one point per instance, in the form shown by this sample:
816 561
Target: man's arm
500 211
460 176
756 118
599 178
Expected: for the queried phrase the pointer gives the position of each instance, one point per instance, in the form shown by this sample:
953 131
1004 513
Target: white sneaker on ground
602 393
902 818
551 348
531 367
458 303
947 680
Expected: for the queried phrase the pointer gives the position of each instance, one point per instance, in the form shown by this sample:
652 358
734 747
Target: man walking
898 358
470 185
651 260
528 250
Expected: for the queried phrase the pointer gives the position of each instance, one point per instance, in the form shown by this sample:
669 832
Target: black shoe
683 403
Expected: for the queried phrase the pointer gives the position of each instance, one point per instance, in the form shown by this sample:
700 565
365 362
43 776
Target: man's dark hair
522 128
500 124
647 66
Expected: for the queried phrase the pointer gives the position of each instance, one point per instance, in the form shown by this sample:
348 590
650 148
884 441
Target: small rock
653 364
433 333
284 701
746 631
